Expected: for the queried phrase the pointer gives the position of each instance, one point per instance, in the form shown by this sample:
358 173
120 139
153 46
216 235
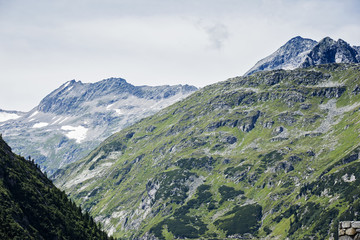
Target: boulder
346 224
350 231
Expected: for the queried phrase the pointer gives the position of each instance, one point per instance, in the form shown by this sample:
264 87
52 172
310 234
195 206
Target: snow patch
339 57
56 120
118 111
78 133
66 84
4 116
67 90
40 125
32 115
109 106
66 118
59 120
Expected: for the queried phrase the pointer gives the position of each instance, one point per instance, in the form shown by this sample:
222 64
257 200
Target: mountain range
303 52
75 118
273 155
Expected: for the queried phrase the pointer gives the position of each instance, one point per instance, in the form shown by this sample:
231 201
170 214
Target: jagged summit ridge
72 95
289 56
302 52
69 96
331 51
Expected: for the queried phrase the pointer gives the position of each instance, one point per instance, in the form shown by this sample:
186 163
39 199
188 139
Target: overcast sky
44 43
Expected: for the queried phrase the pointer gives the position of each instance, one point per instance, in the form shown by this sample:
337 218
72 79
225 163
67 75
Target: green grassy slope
31 207
272 155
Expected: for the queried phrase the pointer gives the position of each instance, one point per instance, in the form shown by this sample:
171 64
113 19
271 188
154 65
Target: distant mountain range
76 117
303 52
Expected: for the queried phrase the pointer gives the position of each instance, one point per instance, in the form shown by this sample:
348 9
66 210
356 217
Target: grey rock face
76 117
278 130
330 51
71 96
357 48
329 92
288 56
302 52
245 124
285 166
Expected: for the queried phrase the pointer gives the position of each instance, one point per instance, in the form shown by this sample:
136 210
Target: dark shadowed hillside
31 207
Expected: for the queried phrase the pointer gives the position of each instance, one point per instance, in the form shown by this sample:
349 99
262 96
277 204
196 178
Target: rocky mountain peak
288 56
70 83
297 39
302 52
112 82
327 40
68 97
331 51
342 42
71 97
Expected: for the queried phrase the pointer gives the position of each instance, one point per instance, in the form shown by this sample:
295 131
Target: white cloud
217 33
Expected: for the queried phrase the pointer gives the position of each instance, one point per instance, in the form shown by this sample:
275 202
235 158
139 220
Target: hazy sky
44 43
